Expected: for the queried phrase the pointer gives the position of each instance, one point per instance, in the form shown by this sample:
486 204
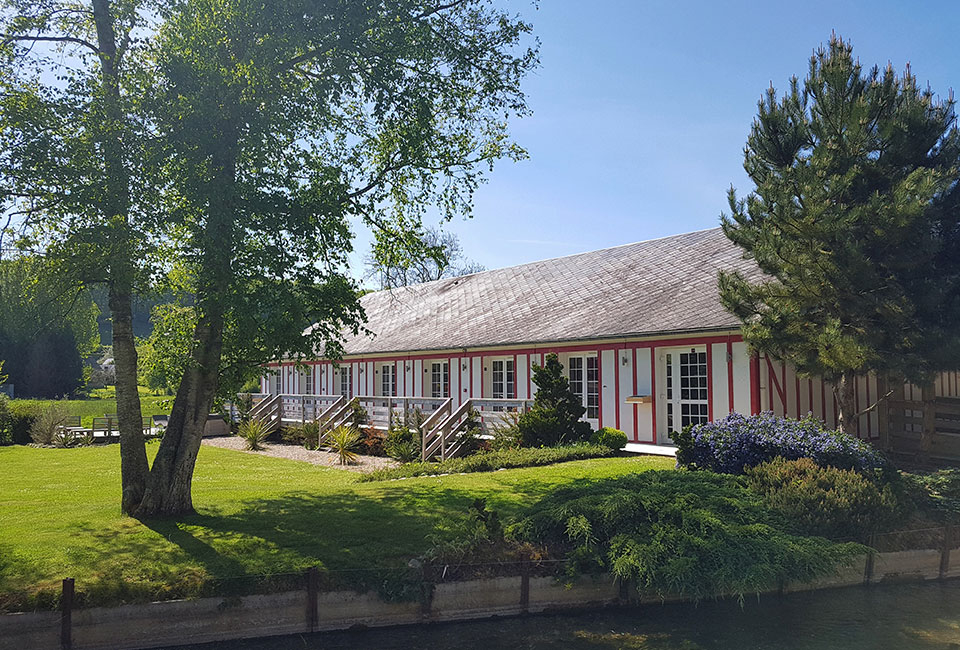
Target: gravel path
296 452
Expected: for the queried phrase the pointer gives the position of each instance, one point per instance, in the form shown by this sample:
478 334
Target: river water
921 616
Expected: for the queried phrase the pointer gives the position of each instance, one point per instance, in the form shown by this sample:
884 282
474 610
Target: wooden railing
268 411
447 439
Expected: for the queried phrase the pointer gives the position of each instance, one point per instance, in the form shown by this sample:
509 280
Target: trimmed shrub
736 442
21 417
825 501
698 535
555 416
609 437
489 461
6 421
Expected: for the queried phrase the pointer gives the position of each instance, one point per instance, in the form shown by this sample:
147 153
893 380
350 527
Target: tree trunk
843 392
169 485
116 205
134 467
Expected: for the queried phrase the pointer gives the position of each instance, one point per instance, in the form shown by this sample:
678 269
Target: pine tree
854 221
555 416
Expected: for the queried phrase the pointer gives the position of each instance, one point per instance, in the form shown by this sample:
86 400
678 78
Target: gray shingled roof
657 286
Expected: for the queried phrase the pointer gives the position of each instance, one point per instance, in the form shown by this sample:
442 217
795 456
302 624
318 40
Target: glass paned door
504 385
388 380
584 375
687 388
440 379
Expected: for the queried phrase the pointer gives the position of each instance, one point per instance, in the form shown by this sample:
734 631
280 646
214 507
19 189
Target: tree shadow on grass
358 538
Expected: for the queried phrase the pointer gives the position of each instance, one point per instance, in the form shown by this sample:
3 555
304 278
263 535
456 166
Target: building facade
639 330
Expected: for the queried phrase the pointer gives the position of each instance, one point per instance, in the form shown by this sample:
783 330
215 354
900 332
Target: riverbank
310 610
879 617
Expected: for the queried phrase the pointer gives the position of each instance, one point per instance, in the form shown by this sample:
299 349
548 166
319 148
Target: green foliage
306 435
244 404
163 356
609 437
6 421
43 430
505 433
555 416
854 222
490 461
48 327
942 489
254 434
826 501
20 418
343 441
405 437
695 534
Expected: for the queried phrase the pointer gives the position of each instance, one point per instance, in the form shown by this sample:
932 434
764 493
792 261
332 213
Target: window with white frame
440 379
346 381
388 380
308 387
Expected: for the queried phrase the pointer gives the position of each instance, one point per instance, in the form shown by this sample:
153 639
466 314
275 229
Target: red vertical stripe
653 392
755 384
730 374
796 379
636 408
529 374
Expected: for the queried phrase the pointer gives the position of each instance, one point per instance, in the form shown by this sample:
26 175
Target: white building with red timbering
639 329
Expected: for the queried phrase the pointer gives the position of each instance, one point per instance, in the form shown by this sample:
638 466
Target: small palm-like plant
343 441
254 433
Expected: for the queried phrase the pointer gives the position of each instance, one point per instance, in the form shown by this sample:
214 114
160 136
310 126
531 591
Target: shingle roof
657 286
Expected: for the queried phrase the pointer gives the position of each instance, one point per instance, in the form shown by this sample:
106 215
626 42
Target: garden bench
105 427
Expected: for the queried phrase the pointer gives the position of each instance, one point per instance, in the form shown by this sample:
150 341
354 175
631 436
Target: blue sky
641 110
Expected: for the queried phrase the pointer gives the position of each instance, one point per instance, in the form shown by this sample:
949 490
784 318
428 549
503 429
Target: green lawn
103 402
256 515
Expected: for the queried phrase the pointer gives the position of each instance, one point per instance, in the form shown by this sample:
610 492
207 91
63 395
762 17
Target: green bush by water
826 501
696 534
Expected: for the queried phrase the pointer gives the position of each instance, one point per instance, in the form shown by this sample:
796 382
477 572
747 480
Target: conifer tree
854 221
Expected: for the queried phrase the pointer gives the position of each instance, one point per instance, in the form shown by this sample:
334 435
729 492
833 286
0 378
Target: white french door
583 372
687 398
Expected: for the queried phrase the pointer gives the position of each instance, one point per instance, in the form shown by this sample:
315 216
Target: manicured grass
102 402
255 515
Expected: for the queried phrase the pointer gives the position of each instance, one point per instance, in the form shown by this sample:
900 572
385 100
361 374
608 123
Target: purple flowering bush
736 442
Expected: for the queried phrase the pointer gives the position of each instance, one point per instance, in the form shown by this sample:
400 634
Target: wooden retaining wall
304 611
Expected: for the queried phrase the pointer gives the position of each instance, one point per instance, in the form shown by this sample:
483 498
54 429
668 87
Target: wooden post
945 547
313 582
303 411
66 615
